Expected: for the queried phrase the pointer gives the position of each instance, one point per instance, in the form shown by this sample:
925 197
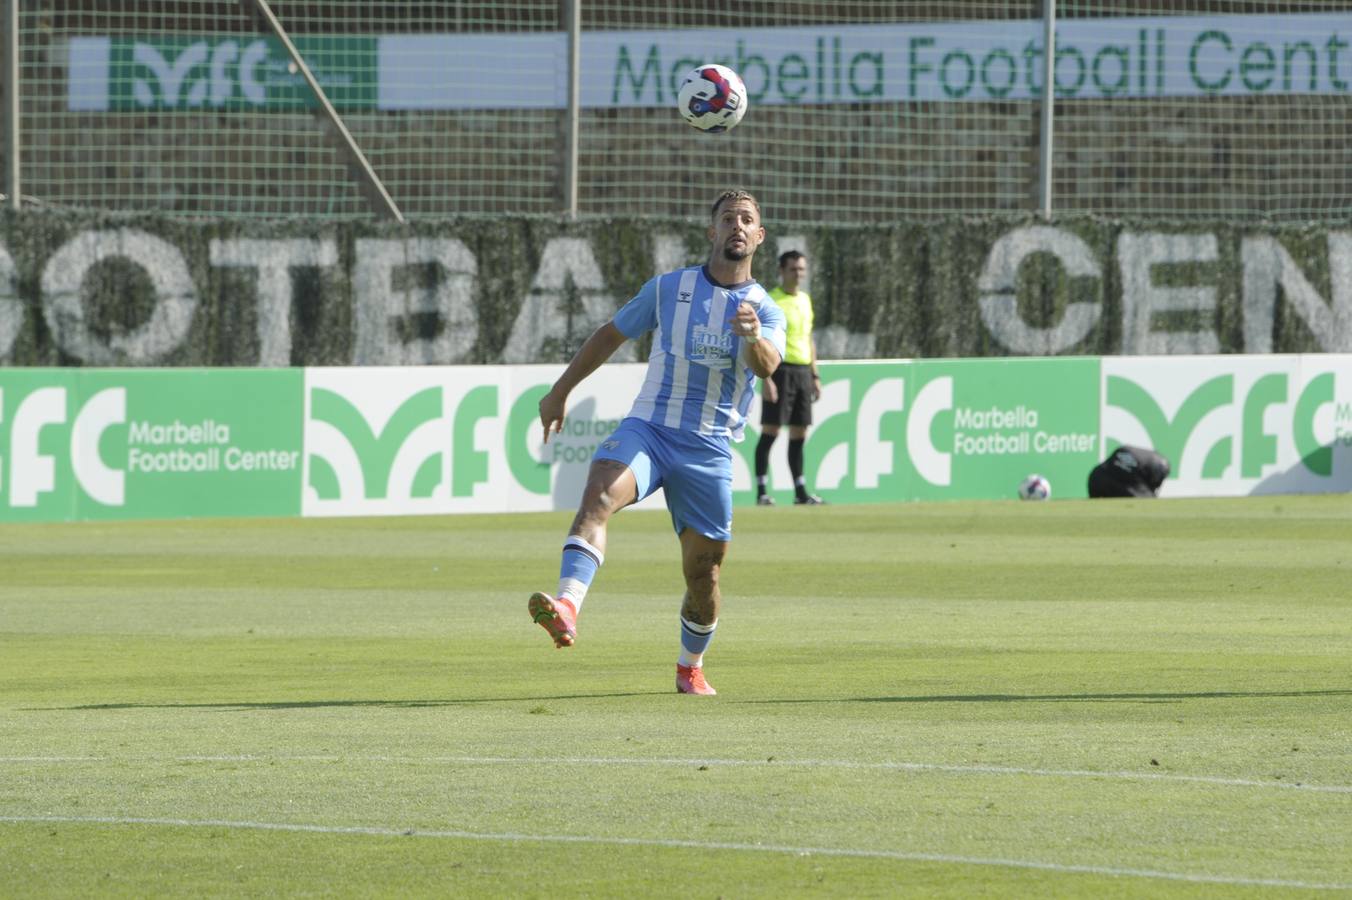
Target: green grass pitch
1068 699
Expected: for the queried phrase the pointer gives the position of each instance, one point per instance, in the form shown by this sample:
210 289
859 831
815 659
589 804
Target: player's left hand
745 322
816 388
551 414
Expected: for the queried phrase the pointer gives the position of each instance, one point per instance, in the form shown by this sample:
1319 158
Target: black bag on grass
1129 472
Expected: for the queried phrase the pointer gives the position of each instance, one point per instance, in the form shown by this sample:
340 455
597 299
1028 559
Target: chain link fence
861 113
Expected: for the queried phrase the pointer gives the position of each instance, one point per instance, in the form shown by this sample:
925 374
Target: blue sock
695 639
577 569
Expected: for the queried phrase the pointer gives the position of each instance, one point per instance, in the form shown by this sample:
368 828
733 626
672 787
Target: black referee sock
796 465
763 460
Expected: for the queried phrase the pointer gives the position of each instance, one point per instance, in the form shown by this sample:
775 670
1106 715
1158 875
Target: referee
795 386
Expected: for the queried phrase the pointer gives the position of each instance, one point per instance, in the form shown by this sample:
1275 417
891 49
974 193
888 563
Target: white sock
573 591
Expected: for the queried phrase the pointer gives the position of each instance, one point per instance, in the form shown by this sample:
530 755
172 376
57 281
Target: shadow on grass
1144 697
1075 698
245 706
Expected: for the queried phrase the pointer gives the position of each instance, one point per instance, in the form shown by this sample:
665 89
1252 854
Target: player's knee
601 501
594 513
605 503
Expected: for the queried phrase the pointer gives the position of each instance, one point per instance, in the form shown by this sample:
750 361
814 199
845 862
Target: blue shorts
694 469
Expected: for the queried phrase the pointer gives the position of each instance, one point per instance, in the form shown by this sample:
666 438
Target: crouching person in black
1129 472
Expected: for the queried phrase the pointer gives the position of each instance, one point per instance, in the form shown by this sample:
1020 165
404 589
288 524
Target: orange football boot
690 680
558 617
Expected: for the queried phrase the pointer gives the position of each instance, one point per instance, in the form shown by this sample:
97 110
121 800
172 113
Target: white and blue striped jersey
696 378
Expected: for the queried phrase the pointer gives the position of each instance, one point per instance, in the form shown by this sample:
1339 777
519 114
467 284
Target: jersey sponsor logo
710 346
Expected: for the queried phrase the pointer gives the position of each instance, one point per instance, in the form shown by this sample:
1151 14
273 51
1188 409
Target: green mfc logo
220 72
853 450
950 429
1236 425
443 439
91 444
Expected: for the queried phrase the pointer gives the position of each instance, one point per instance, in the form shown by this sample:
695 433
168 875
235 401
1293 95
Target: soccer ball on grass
712 98
1035 487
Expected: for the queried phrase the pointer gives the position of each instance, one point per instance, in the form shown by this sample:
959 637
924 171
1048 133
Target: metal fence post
372 186
1044 181
9 64
573 11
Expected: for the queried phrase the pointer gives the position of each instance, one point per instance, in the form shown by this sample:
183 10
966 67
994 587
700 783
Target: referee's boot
765 500
806 499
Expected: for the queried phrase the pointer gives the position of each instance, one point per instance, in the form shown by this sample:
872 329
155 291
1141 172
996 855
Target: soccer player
796 384
715 331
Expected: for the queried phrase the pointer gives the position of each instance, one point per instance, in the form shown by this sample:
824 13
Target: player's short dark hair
789 256
734 194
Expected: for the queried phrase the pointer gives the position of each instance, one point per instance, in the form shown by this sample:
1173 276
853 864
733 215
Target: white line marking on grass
51 759
915 767
795 763
511 837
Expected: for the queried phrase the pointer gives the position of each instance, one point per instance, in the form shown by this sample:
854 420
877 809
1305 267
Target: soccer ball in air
1035 487
712 98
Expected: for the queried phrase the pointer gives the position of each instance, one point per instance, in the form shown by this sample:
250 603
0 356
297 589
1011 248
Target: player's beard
736 254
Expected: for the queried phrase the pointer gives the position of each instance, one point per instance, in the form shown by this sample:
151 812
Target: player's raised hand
745 321
551 414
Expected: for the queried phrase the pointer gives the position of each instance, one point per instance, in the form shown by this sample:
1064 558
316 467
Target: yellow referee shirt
798 325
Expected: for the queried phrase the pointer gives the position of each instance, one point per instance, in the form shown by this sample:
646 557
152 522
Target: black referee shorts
795 397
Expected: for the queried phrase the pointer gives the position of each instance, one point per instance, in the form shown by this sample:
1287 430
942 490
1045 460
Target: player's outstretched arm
598 348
